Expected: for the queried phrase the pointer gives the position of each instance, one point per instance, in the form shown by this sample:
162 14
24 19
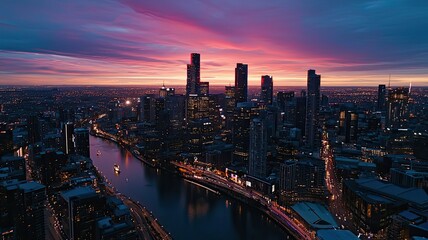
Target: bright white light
128 102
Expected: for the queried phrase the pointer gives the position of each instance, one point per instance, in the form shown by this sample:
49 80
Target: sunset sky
147 42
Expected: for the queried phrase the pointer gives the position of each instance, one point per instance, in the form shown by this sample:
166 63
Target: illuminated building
230 104
241 82
164 91
204 88
22 207
193 74
82 208
381 97
197 107
371 202
47 166
303 180
267 89
348 125
397 108
199 135
312 109
81 141
67 138
6 139
400 224
258 148
244 112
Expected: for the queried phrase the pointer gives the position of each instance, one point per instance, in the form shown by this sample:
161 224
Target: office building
204 88
244 112
241 82
267 89
193 74
22 209
397 108
164 91
197 107
33 128
348 126
6 139
303 180
83 207
300 112
229 105
81 141
258 148
67 138
381 97
312 109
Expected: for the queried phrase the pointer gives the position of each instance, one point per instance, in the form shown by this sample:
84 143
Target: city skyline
143 43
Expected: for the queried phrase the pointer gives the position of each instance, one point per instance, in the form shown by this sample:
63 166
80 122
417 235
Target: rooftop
79 192
336 234
417 197
316 215
31 186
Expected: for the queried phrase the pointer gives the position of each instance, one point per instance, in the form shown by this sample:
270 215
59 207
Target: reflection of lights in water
198 209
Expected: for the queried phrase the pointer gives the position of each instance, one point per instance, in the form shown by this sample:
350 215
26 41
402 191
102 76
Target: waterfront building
82 207
258 148
81 141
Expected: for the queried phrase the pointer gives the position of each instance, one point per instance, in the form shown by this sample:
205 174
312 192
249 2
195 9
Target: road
273 209
147 225
336 205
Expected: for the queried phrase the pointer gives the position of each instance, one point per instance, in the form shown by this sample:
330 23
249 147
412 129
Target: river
186 211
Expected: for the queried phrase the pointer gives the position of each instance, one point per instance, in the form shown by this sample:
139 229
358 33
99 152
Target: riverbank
147 225
235 195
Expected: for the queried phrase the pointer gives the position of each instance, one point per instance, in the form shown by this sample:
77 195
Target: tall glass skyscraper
312 108
241 82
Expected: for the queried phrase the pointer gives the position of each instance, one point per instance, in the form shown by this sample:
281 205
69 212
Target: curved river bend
186 211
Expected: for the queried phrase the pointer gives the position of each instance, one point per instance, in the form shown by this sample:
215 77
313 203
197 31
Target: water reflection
187 211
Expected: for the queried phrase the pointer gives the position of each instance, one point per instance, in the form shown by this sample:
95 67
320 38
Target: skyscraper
6 139
241 82
193 74
381 97
84 206
22 210
33 128
348 125
67 138
81 141
267 89
397 107
258 148
312 108
244 112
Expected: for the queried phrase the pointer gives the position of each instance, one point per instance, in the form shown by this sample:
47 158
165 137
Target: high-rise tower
193 74
267 89
241 82
258 148
397 108
312 108
381 97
